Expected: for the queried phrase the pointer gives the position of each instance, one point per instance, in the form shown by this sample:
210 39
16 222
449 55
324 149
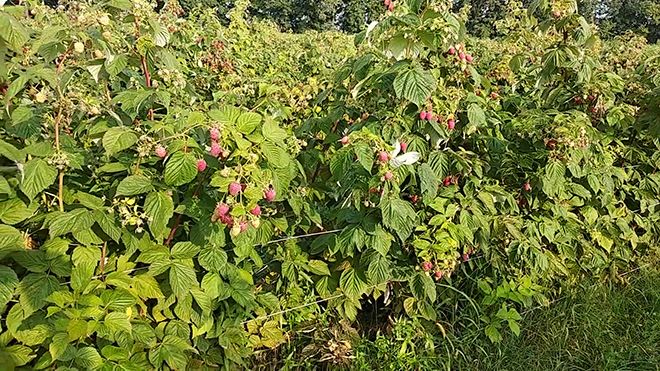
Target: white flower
408 158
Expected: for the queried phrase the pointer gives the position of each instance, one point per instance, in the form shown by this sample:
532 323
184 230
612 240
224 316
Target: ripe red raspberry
461 56
227 220
383 156
466 257
243 225
344 140
256 211
214 133
447 181
201 165
427 266
221 209
269 195
388 175
404 146
438 275
451 50
468 58
527 187
234 188
215 150
161 151
451 124
423 115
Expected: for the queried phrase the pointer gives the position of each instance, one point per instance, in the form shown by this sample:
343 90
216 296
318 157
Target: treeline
614 17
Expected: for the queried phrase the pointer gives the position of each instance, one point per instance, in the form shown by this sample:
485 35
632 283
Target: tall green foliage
179 194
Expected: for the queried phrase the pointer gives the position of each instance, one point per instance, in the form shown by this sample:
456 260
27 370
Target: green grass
598 327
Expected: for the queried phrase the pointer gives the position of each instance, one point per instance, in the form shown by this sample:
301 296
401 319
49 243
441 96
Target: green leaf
428 182
73 221
147 287
8 283
20 354
184 250
365 155
88 358
379 270
118 321
159 208
4 186
273 132
493 333
37 176
352 284
9 151
118 139
34 289
10 239
182 278
14 211
275 154
513 325
476 118
180 169
399 216
212 258
114 64
58 345
423 287
76 329
415 85
318 267
554 178
381 241
439 162
134 185
13 32
247 122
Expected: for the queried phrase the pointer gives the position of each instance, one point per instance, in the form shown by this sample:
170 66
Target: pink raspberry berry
256 211
344 140
447 181
269 195
243 225
214 133
451 124
466 257
527 187
227 220
427 266
161 151
215 150
221 209
451 50
234 188
461 56
438 275
201 165
404 146
388 175
422 115
383 156
468 58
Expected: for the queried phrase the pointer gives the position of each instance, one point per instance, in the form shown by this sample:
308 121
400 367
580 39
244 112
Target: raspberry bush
179 194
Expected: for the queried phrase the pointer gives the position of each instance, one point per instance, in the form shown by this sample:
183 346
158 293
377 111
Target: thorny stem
58 119
145 67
